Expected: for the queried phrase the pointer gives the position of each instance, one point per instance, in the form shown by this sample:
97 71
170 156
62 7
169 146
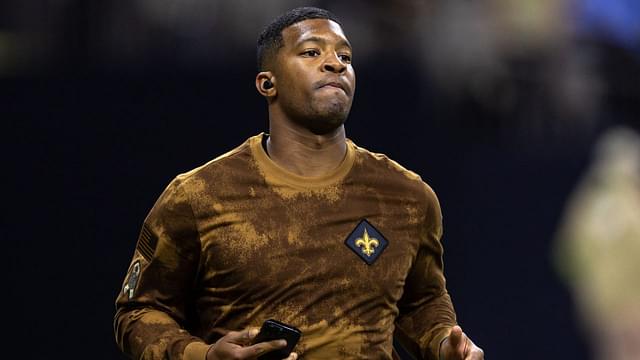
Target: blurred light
617 20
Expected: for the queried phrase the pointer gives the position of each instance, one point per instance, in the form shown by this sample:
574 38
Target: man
300 225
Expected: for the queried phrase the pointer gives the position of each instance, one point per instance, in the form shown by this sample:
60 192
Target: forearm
428 323
150 334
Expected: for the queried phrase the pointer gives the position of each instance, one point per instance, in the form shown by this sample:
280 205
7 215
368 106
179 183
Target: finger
292 356
251 333
466 346
262 348
475 354
241 337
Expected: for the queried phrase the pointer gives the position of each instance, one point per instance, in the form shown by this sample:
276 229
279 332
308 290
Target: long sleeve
426 311
152 307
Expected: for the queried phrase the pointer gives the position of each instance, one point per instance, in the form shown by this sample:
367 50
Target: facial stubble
323 116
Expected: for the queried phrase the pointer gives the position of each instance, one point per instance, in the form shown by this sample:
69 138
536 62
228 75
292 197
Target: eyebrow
342 42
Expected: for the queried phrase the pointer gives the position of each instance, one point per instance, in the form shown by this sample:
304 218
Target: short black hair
270 40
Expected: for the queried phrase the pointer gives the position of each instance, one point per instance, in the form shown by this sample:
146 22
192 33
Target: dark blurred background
496 104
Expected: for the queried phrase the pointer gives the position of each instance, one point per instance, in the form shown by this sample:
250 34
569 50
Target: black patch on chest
366 242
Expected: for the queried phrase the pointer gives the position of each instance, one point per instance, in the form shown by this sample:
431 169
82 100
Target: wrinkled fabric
240 240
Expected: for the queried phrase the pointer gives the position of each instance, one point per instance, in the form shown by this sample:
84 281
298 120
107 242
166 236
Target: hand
236 345
459 347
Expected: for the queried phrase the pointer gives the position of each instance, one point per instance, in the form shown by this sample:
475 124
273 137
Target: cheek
293 83
352 74
293 92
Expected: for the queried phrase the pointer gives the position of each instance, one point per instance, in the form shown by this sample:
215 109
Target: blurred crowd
531 60
598 246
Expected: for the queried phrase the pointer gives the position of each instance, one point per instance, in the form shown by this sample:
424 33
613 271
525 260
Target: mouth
334 84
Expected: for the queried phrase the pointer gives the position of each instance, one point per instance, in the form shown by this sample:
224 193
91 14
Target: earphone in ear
267 84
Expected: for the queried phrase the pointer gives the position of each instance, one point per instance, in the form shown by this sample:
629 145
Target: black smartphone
275 330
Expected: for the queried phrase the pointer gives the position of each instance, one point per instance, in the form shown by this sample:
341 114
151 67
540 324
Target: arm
426 312
427 320
151 309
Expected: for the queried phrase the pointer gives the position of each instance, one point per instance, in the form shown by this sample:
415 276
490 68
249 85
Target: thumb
243 337
455 338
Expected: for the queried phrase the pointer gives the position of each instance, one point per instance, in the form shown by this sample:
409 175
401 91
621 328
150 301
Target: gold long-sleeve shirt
347 258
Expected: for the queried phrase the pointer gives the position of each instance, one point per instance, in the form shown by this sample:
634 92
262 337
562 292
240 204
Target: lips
334 84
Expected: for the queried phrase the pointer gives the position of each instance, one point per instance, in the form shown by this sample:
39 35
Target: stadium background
496 104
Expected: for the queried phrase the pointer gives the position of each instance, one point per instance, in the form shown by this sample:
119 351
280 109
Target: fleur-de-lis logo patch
367 242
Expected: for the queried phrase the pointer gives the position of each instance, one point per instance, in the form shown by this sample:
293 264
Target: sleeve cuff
437 341
196 351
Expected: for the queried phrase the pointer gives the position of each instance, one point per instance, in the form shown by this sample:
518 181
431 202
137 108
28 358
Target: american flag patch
147 242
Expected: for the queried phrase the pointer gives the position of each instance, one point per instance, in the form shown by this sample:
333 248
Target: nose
333 64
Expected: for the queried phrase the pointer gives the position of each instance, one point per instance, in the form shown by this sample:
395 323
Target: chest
352 240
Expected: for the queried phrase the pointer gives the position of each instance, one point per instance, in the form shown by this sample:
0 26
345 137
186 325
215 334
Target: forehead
313 28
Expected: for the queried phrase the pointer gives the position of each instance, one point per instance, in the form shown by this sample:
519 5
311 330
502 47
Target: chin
323 118
324 127
328 121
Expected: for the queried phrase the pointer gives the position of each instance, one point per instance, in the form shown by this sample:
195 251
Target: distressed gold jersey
348 258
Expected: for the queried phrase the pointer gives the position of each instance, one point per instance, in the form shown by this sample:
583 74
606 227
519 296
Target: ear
266 91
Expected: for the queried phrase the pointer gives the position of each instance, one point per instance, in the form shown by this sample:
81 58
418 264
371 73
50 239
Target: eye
311 53
345 58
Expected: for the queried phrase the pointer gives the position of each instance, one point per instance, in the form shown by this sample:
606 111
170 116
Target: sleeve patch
147 242
132 280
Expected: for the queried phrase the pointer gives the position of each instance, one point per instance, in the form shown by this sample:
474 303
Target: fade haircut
270 40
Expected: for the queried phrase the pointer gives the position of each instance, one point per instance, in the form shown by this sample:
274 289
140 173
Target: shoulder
216 172
229 159
387 176
382 161
384 166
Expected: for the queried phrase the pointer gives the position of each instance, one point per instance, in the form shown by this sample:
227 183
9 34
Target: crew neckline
273 170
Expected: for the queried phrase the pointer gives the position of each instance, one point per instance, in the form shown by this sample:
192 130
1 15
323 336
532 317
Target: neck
302 152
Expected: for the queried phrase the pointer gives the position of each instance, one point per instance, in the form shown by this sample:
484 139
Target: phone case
276 330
